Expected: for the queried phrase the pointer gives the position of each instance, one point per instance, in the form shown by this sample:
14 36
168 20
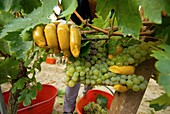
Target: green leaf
5 17
13 5
17 47
128 17
27 101
85 49
104 7
33 93
162 66
29 5
4 46
111 46
153 9
161 102
37 16
9 70
69 7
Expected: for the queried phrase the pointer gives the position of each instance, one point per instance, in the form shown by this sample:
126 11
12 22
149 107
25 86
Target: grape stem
106 31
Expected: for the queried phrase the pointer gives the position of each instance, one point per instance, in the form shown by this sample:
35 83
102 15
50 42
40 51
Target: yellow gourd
38 36
51 37
75 40
126 70
64 38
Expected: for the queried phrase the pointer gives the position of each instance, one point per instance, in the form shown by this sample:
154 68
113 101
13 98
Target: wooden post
128 102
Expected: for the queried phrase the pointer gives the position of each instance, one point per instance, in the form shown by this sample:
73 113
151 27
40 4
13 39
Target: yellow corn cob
38 36
75 40
64 38
51 37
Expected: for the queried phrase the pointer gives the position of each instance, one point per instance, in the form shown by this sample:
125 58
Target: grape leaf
162 66
9 70
13 5
29 5
111 46
17 46
128 17
5 17
69 7
160 103
104 7
4 46
153 9
37 16
85 49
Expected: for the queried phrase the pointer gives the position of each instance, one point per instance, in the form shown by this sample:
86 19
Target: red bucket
43 104
91 96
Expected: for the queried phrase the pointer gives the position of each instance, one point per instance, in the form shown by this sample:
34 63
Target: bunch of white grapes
94 70
134 55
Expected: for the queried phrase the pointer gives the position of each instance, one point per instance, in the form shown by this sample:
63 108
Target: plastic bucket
91 96
43 104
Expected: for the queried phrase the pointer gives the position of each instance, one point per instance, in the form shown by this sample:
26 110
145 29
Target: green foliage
156 7
68 8
161 102
85 48
9 70
111 45
5 18
162 66
38 16
29 94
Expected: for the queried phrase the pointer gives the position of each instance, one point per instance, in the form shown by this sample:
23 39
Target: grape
100 49
71 70
87 69
123 76
129 77
88 81
87 64
76 74
77 62
122 81
132 52
126 63
96 72
74 78
129 83
71 83
92 62
68 73
82 73
130 60
66 78
137 55
99 62
142 86
135 88
94 58
87 76
82 78
143 52
113 79
136 81
141 78
93 82
118 78
107 81
79 69
119 63
99 81
138 49
99 55
103 70
95 77
106 75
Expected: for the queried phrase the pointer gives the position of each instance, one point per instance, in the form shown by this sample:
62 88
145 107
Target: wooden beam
129 102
